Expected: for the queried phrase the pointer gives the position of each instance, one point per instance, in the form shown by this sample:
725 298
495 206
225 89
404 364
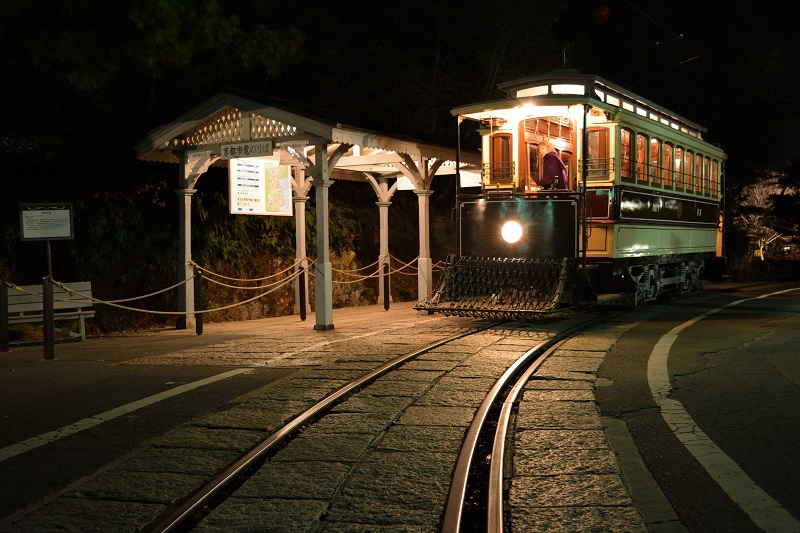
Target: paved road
733 371
65 418
710 390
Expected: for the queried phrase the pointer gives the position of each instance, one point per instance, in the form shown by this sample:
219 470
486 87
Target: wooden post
4 337
386 286
49 318
301 284
198 301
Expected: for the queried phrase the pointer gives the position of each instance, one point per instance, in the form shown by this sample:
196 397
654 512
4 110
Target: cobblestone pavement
382 461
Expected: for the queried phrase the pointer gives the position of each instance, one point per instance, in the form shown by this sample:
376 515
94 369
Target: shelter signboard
246 149
259 187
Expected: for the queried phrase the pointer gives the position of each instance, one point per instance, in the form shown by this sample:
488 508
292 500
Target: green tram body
642 216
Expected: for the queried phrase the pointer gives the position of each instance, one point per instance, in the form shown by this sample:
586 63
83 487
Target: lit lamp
511 232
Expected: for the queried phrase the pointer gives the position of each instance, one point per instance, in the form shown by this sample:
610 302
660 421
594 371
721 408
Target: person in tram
554 173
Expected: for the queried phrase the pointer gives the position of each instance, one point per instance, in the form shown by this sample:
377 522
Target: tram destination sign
45 222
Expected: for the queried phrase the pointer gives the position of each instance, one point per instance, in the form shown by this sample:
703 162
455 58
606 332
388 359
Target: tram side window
698 174
655 161
501 169
667 158
597 161
533 163
714 178
706 177
678 168
687 170
566 158
626 153
641 158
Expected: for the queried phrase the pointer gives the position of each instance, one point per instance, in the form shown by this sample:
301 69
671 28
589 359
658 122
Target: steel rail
191 507
454 507
494 509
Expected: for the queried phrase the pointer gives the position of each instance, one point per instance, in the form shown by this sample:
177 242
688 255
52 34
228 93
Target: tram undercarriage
526 289
513 289
641 283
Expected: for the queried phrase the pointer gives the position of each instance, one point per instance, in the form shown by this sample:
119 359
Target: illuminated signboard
259 187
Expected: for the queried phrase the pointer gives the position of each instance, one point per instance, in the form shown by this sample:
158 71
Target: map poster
259 187
44 222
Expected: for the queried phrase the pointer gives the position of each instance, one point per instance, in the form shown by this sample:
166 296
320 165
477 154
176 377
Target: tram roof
570 86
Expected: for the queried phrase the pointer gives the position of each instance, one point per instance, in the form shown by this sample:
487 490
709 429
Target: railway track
375 438
194 508
476 500
471 501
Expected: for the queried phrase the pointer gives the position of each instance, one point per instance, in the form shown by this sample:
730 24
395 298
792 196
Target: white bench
27 306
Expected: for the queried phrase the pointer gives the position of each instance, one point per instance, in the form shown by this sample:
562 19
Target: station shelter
242 131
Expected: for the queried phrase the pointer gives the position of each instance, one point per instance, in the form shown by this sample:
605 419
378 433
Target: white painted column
300 187
190 166
383 257
323 272
300 251
424 263
185 300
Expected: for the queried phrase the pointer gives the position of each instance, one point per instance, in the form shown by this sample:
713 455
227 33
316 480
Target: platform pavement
623 495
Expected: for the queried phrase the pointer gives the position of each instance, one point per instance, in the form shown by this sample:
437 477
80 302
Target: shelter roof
236 116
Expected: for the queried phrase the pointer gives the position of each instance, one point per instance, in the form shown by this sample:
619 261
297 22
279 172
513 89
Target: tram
640 217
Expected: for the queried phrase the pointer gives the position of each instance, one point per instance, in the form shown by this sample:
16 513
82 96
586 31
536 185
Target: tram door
501 168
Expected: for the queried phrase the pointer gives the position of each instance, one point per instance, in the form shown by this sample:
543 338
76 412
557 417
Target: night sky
85 80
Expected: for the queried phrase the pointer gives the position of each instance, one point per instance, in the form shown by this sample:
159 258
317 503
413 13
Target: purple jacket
553 171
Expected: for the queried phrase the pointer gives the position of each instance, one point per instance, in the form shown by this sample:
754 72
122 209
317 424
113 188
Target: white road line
86 423
765 512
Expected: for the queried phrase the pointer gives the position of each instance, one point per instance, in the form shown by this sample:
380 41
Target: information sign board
41 222
259 187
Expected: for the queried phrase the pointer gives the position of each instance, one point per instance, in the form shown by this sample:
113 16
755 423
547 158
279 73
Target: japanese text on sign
46 221
246 149
258 187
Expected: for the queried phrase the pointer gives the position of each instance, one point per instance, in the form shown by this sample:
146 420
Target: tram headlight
511 231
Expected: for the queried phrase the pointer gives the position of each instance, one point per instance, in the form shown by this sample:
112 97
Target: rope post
49 318
302 284
4 339
386 286
198 300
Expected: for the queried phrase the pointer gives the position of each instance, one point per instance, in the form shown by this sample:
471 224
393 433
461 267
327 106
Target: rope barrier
357 269
254 298
376 274
128 308
255 287
70 291
206 271
75 296
405 265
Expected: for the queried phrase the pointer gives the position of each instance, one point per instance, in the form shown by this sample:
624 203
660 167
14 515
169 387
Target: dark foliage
86 79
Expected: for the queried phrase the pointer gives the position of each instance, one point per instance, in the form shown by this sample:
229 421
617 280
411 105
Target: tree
786 203
85 79
756 216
